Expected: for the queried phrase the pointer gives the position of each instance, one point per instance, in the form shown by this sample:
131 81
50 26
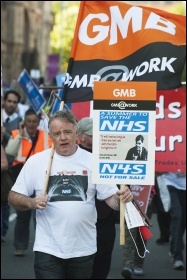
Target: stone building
25 37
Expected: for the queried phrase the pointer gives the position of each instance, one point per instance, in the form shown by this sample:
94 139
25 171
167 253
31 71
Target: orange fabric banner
116 41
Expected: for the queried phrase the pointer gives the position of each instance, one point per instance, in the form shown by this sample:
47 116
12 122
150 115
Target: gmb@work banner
116 41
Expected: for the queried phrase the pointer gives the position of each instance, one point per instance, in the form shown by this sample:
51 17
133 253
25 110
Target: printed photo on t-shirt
67 188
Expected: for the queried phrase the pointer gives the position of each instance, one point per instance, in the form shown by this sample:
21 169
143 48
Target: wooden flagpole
50 160
1 97
122 219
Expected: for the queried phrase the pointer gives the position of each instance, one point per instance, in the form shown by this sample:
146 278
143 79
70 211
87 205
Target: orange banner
117 29
116 41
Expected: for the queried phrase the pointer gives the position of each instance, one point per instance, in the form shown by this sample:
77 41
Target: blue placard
56 105
60 82
127 122
30 89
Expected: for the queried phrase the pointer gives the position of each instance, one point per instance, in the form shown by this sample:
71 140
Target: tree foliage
61 37
178 8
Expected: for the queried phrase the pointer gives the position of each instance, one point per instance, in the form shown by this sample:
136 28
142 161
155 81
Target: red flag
116 41
146 233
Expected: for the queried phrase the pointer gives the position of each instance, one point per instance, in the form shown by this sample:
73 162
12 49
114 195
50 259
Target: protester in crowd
138 152
176 183
134 248
163 217
65 239
4 167
106 216
11 121
26 141
43 124
44 118
4 161
85 132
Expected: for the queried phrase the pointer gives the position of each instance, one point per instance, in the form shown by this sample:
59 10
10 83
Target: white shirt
11 117
175 179
66 228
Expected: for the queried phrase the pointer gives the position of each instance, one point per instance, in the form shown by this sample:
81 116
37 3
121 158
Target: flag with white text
116 41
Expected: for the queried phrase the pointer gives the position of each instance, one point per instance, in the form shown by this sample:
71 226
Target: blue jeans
50 267
178 221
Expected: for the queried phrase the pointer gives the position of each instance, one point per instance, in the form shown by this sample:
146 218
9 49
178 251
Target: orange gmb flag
116 41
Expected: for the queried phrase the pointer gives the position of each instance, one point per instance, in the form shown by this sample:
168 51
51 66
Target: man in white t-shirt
65 239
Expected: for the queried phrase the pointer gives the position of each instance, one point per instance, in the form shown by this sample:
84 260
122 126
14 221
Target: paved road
157 263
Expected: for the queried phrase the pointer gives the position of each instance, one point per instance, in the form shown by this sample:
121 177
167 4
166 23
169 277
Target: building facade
25 37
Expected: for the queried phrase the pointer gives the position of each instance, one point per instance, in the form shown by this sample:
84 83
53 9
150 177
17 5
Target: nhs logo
122 168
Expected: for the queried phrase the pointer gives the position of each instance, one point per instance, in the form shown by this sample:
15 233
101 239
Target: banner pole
1 96
147 220
122 219
50 160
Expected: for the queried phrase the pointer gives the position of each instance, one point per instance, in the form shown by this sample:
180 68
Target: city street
157 262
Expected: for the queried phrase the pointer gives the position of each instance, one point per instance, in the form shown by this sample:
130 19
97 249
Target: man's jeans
50 267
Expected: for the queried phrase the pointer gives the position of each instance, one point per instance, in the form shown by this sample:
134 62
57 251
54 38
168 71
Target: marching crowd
74 219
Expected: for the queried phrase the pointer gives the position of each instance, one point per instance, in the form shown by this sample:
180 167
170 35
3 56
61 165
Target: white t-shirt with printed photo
66 228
